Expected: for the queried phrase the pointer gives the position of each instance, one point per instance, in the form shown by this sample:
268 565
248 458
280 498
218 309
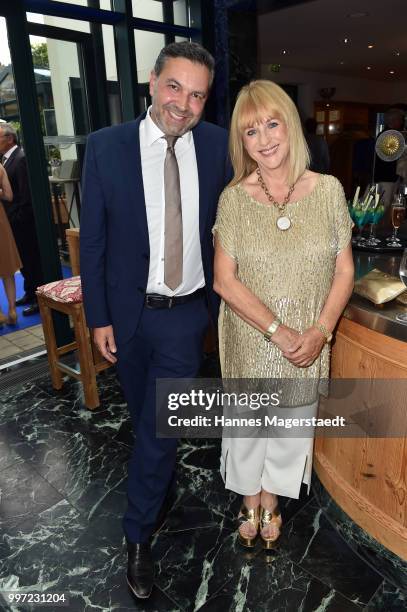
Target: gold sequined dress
289 271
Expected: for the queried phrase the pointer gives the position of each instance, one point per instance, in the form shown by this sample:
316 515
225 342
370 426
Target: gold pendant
283 223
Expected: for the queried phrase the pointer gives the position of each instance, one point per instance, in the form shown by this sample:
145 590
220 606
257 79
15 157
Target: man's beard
170 129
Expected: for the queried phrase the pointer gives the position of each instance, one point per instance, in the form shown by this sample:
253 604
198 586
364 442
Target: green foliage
54 153
17 126
39 53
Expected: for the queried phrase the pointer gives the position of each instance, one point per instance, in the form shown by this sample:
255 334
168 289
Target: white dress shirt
153 149
7 154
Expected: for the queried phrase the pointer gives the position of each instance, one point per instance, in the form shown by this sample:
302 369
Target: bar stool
66 296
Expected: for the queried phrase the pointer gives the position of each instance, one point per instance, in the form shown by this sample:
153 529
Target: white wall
63 63
110 54
348 89
148 46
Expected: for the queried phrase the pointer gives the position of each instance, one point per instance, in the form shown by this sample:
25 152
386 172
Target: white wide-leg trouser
277 460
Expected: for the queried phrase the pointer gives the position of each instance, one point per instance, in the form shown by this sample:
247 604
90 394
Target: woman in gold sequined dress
284 270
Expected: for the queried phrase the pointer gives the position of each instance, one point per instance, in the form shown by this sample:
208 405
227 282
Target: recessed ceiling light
341 63
368 67
284 52
397 53
370 46
357 15
346 40
391 71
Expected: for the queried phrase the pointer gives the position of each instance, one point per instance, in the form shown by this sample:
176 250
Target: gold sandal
251 516
268 517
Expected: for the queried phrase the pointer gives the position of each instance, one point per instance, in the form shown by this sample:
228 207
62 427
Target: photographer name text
266 421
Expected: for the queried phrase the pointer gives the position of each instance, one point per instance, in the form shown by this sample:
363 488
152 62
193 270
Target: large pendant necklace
283 221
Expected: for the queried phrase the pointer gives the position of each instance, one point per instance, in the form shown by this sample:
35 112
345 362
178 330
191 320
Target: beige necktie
173 218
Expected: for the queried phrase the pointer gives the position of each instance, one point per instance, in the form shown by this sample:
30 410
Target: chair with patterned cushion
66 296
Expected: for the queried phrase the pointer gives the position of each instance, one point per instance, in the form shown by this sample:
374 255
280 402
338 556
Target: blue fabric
114 245
22 322
167 344
114 255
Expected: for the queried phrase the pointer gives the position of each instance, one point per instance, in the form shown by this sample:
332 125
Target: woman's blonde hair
257 101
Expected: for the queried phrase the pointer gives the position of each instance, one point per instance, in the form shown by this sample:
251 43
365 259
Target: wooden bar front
367 477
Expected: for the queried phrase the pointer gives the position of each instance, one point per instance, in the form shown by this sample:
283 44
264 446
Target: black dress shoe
140 569
31 310
26 299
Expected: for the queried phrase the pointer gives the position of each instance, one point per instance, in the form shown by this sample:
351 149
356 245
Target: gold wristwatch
321 327
272 329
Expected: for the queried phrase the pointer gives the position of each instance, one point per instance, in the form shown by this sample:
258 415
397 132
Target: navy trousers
168 343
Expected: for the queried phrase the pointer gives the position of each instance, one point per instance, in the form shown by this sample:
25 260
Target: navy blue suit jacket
114 243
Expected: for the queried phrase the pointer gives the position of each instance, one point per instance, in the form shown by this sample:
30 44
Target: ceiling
313 34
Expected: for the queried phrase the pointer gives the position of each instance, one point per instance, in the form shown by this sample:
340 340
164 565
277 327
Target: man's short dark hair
191 51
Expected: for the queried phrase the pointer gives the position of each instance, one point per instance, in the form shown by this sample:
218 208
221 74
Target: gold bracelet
321 327
272 329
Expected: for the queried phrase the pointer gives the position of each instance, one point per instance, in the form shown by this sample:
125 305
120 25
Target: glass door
64 73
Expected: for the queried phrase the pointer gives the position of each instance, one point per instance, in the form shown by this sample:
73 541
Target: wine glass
398 212
376 215
359 216
403 277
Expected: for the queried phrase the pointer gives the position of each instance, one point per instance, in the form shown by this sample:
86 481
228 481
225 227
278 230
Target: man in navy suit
150 326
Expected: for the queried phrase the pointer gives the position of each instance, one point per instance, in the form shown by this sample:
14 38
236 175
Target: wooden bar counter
367 477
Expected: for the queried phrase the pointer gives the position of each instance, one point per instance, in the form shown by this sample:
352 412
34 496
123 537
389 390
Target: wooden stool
72 238
66 296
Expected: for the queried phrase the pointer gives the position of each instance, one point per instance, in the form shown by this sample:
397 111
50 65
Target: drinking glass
359 216
398 213
375 216
403 277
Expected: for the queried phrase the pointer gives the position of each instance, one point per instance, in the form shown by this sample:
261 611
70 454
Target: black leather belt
154 300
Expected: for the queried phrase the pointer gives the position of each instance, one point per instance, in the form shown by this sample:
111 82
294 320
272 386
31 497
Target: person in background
284 271
150 193
318 147
21 217
9 257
